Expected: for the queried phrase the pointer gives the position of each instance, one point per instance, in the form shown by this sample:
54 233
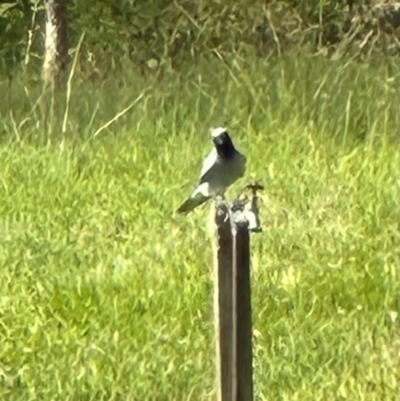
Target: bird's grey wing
216 175
203 192
210 164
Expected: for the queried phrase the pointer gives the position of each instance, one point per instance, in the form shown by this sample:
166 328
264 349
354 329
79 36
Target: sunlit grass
107 294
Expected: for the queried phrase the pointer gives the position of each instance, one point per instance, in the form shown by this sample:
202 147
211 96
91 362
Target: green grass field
106 294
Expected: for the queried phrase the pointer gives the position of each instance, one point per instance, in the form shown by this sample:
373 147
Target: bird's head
223 142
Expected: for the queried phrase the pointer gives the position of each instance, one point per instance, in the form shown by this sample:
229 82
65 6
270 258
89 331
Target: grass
106 294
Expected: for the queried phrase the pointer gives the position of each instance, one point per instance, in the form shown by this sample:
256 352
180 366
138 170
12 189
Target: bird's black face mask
224 145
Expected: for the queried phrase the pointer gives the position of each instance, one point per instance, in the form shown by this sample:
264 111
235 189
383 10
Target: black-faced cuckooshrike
221 168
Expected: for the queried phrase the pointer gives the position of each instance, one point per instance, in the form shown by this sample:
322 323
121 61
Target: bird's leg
221 207
218 199
221 201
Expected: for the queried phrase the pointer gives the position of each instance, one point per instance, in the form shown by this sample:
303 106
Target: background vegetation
106 294
167 31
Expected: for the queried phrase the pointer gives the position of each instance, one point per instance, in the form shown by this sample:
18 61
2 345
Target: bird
221 168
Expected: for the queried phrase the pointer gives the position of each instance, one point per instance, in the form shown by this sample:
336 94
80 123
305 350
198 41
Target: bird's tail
191 203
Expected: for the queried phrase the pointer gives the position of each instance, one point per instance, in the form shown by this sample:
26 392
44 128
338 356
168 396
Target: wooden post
223 303
243 385
232 303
